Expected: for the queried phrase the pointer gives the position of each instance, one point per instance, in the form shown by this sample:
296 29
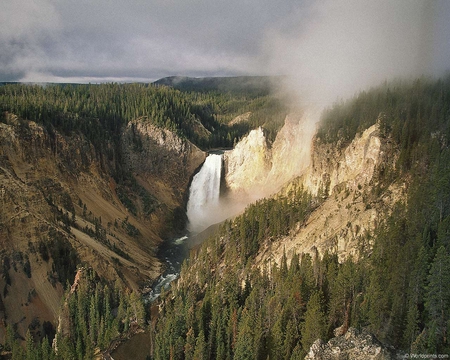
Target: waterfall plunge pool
203 210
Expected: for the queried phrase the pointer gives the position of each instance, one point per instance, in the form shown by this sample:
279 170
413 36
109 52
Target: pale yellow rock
291 150
254 166
248 164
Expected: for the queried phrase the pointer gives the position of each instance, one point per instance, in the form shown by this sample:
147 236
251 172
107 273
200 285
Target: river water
173 253
203 204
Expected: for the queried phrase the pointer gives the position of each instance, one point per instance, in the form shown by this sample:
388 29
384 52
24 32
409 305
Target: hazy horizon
326 48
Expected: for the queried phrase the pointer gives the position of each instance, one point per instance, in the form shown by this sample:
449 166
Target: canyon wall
66 202
160 160
343 178
255 166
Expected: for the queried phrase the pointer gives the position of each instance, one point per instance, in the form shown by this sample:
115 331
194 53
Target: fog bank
335 48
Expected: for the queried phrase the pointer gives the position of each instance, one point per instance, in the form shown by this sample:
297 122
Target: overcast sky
333 43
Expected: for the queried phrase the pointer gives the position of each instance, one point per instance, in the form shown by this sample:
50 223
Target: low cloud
330 45
132 40
342 47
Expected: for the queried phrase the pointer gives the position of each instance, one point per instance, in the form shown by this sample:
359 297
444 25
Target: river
202 207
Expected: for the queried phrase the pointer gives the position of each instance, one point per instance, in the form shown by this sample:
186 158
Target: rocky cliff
248 164
343 177
291 150
352 166
353 345
255 166
160 160
61 207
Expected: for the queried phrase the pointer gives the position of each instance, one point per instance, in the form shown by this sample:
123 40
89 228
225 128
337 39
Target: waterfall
203 210
204 193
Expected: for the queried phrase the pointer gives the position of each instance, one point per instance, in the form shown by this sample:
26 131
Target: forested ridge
100 111
224 307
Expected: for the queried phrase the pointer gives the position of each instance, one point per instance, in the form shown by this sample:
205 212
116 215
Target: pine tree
416 297
189 347
315 326
290 340
46 350
10 337
437 301
201 351
31 353
297 353
137 308
244 344
17 352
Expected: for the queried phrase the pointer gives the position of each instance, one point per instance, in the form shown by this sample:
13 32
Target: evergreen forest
225 307
99 111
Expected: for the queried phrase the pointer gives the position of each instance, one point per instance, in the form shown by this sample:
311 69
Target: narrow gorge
299 229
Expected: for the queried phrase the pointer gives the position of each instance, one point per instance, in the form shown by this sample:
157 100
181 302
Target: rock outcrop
160 160
353 166
60 206
353 345
291 150
248 164
256 167
344 178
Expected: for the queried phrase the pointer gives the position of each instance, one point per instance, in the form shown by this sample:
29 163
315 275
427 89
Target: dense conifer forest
224 307
100 111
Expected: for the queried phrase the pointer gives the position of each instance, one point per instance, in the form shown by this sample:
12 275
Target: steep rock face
255 166
291 150
353 166
162 161
59 207
248 164
344 178
353 345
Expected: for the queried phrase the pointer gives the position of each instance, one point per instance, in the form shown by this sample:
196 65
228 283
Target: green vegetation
100 111
96 314
224 308
253 86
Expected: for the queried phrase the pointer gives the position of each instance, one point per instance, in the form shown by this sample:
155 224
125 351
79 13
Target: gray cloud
133 39
138 40
344 46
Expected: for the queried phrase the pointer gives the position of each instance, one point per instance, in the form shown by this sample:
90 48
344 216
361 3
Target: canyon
343 177
55 178
60 204
312 220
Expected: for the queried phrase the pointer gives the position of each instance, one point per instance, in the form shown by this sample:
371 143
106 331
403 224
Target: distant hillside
92 179
249 85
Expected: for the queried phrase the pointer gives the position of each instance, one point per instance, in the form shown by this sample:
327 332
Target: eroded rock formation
60 206
353 345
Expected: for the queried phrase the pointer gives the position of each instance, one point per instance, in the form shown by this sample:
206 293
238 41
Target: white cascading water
204 194
203 210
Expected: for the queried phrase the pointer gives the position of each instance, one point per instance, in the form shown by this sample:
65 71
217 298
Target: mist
335 49
331 50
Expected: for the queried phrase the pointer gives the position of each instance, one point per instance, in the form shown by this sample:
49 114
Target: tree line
226 308
100 111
